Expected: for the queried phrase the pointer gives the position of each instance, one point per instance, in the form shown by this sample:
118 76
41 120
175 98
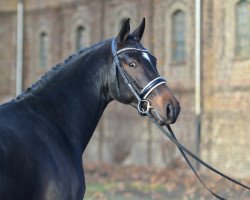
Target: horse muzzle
170 117
165 108
172 112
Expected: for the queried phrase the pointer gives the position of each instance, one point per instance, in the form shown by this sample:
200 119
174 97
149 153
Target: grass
123 191
107 182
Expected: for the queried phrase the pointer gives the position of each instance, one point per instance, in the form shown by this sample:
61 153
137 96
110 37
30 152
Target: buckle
143 107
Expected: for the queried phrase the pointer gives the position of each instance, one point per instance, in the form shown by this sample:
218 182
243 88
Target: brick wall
226 86
225 80
7 55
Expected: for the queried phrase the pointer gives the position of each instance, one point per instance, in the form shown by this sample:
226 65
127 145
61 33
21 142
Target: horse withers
45 130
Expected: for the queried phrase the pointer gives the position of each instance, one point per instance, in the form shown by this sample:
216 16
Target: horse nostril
170 111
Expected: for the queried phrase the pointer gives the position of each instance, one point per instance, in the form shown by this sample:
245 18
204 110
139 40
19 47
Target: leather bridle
144 107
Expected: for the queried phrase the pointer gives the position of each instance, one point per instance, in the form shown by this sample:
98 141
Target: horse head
135 79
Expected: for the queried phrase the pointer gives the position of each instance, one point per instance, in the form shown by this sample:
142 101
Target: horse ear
138 33
124 32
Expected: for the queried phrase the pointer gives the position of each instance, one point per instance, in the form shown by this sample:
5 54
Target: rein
143 107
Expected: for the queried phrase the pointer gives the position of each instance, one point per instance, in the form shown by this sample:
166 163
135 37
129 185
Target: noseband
143 106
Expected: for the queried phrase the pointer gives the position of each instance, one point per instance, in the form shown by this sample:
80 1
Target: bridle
144 107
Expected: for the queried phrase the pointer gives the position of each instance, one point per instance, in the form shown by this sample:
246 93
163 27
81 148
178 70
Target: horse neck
74 98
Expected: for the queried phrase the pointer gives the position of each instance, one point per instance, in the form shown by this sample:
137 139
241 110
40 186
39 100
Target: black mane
55 69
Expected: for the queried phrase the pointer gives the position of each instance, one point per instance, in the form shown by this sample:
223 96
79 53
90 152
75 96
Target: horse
45 130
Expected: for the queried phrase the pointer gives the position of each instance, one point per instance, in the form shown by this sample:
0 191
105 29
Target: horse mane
55 69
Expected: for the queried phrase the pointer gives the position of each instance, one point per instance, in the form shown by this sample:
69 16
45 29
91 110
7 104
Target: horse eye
132 64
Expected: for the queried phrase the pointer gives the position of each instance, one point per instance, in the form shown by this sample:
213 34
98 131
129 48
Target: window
178 43
80 38
242 47
43 50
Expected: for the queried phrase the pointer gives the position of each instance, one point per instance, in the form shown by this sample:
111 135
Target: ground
116 182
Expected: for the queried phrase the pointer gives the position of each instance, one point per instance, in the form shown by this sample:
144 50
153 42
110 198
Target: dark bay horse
45 130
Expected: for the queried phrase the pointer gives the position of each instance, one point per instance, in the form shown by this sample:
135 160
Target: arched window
178 41
242 46
80 38
43 50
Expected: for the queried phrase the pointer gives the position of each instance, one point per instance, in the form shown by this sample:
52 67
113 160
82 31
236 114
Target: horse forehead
147 57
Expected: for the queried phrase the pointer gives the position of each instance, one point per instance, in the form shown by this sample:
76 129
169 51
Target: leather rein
144 108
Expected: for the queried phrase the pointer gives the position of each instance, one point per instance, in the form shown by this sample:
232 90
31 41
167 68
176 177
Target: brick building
55 29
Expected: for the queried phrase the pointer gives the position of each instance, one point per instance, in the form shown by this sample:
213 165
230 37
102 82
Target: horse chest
56 190
62 181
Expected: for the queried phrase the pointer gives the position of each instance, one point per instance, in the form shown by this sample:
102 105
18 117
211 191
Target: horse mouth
157 116
160 119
